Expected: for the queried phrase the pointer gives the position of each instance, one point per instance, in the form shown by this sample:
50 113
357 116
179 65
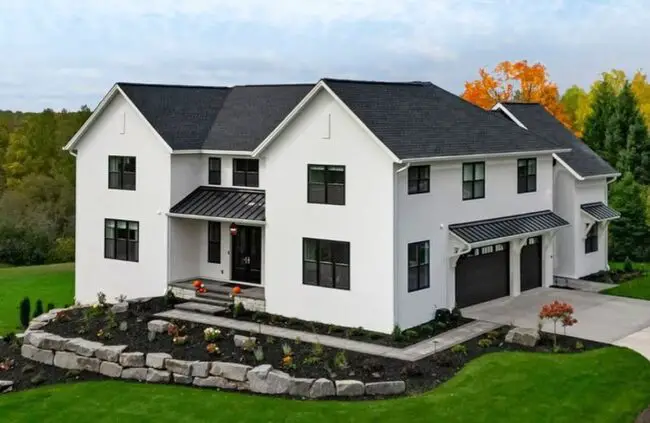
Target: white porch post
515 265
451 281
547 259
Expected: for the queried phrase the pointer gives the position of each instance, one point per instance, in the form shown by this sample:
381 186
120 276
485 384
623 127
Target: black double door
247 254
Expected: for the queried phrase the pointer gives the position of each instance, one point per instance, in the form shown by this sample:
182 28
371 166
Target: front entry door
247 254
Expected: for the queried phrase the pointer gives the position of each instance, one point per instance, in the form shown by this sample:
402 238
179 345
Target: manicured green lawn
636 288
51 283
607 385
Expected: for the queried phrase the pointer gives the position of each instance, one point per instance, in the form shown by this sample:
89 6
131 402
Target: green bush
62 251
38 309
628 266
25 308
397 334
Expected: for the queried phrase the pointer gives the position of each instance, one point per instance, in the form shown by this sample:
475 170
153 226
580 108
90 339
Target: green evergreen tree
628 235
635 158
596 123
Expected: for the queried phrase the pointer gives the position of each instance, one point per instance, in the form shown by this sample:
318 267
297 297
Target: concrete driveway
600 317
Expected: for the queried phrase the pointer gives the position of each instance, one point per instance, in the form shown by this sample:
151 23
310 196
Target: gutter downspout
608 183
403 168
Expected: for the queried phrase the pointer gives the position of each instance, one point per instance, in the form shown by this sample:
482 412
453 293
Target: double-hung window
326 184
418 266
473 180
591 241
326 263
526 175
246 172
121 172
214 171
121 239
214 242
418 180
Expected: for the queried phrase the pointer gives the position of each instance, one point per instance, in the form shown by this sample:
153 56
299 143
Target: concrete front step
204 300
202 308
218 296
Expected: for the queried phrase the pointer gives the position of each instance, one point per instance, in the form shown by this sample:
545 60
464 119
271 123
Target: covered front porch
216 235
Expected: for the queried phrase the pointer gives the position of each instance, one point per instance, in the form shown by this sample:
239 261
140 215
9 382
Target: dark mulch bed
420 376
444 322
614 276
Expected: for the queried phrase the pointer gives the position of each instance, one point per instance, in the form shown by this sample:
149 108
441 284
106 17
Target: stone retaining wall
115 362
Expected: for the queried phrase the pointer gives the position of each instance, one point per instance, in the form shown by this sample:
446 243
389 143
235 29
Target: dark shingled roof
599 211
502 227
582 159
419 119
227 203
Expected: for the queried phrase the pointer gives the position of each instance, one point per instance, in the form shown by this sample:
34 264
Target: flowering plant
179 340
212 349
211 334
558 311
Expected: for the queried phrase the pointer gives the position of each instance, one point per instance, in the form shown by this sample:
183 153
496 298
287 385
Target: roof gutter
403 168
485 156
511 237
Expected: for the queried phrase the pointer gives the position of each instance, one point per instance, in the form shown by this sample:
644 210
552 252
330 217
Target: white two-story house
354 203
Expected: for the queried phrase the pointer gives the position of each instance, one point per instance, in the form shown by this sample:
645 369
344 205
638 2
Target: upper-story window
246 172
121 172
473 180
418 179
214 171
326 184
526 175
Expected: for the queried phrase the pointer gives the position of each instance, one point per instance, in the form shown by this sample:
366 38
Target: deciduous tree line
612 118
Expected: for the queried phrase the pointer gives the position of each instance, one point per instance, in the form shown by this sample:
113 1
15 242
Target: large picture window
121 172
214 242
526 175
473 180
214 171
246 172
326 184
591 242
418 266
326 263
121 239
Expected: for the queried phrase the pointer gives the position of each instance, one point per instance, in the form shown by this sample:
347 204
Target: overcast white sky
65 53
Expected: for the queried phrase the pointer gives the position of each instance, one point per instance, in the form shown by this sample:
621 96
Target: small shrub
212 349
317 349
180 340
410 334
249 345
25 308
170 298
297 341
259 354
50 306
101 299
441 325
287 362
120 298
442 315
270 340
443 360
340 360
456 315
628 266
286 349
375 335
485 343
357 331
211 334
311 360
397 334
426 330
580 346
38 308
459 349
411 370
492 335
238 310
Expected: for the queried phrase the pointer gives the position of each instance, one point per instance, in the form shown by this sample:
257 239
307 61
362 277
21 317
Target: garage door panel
482 275
531 264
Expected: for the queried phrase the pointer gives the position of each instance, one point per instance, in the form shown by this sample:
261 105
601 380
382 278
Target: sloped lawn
635 288
605 385
51 283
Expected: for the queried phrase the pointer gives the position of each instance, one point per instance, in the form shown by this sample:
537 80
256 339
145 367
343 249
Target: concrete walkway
638 341
411 353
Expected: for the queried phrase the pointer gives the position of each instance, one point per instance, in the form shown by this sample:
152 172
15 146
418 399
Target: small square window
418 179
326 184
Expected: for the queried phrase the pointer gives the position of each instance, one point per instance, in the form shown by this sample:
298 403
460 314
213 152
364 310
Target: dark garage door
482 275
531 264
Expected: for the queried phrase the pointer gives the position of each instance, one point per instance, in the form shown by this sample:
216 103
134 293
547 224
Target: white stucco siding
590 191
565 205
146 205
426 216
365 221
186 175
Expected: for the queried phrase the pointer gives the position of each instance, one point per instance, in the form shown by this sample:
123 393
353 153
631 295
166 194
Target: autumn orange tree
516 81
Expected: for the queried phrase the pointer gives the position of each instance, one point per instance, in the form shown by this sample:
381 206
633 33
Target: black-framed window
121 239
121 172
591 242
246 172
214 171
418 266
326 184
473 180
526 175
214 242
418 181
326 263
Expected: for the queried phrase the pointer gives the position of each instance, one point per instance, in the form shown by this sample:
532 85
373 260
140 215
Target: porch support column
548 239
515 265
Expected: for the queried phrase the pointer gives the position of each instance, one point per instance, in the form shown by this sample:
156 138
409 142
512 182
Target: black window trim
418 179
214 246
214 175
318 262
418 245
130 245
473 181
524 181
120 173
325 184
591 240
246 172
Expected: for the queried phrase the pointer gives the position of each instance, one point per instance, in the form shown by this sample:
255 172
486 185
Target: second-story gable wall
324 133
426 216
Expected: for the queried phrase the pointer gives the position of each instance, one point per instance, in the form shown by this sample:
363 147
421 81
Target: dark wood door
531 264
247 254
482 275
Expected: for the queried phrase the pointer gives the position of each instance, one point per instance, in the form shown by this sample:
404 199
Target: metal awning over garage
599 212
222 204
501 229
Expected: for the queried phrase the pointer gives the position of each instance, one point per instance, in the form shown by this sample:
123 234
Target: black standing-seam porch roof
225 203
507 226
599 211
